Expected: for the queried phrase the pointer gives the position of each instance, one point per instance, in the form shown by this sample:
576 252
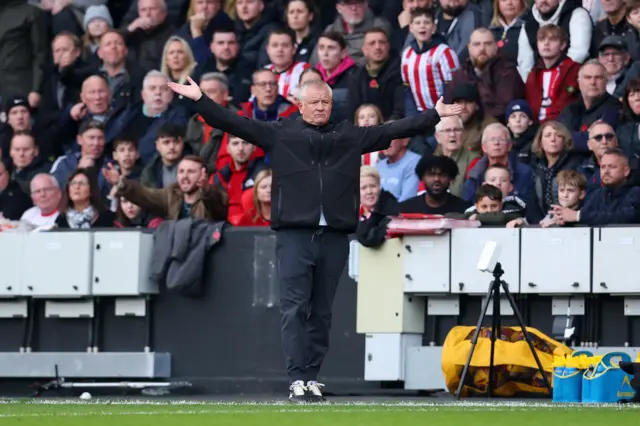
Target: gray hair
317 83
161 3
459 120
495 127
593 62
216 76
52 179
153 74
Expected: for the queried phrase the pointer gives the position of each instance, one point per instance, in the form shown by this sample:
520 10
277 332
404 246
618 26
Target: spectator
127 156
496 77
569 16
628 130
266 104
436 172
162 170
23 51
369 115
401 37
506 25
500 177
572 189
496 144
300 15
397 170
354 20
378 81
281 50
614 55
81 206
336 67
129 215
601 138
190 196
427 64
615 24
13 202
372 196
616 203
552 148
45 195
593 104
25 159
473 116
174 10
177 60
252 28
256 202
449 134
203 18
143 121
553 83
19 119
488 209
519 119
97 21
456 21
148 33
633 15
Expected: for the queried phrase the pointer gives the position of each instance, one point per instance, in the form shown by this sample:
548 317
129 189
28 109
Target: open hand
191 90
111 174
445 110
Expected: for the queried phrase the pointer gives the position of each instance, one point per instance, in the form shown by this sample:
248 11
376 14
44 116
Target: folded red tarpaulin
425 224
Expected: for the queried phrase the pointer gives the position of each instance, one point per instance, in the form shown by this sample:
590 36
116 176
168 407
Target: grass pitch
73 412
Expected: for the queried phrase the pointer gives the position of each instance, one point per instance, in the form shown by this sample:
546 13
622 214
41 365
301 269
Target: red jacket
561 85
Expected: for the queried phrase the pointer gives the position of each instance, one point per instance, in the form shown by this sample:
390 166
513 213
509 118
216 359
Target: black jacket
612 206
386 91
315 169
14 202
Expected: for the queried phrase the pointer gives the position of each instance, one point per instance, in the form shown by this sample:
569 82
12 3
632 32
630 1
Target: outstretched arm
376 138
255 132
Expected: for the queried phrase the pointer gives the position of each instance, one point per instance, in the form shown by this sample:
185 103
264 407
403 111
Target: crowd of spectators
91 135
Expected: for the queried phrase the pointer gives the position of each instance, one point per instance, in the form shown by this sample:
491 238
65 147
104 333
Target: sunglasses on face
608 136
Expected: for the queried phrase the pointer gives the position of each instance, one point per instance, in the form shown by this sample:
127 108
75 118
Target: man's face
280 50
614 170
422 28
601 138
126 155
614 60
376 47
45 194
436 183
23 150
316 105
482 48
592 82
64 50
519 122
453 7
550 47
152 10
569 196
496 144
500 179
92 143
265 88
546 6
610 7
215 91
409 5
239 150
170 149
450 134
96 95
156 94
189 173
469 108
487 205
249 10
224 47
330 53
352 11
113 50
207 7
396 147
19 118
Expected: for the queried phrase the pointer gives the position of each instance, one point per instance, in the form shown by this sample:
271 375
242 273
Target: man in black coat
315 199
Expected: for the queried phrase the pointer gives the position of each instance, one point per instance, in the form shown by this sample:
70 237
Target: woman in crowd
177 60
81 206
129 215
372 196
628 129
299 16
257 202
368 115
97 20
506 25
552 153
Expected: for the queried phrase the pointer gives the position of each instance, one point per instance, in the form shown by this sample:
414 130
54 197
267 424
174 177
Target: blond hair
369 171
373 107
497 16
262 175
572 178
191 62
536 147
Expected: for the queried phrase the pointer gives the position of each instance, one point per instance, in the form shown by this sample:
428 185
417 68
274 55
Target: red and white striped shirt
371 158
426 73
288 80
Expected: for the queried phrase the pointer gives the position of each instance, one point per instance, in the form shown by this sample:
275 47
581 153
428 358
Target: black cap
466 92
16 101
614 41
90 124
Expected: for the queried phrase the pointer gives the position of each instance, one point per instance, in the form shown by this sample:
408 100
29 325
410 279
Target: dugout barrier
53 311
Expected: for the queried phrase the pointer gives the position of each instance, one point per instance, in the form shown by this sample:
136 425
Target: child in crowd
499 176
519 119
489 208
369 115
126 154
572 189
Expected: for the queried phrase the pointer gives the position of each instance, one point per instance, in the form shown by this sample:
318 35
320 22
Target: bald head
96 95
315 101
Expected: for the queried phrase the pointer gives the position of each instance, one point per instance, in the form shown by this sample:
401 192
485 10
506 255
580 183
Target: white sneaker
314 394
297 392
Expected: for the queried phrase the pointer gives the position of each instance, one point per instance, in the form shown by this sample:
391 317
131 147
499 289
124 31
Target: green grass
166 413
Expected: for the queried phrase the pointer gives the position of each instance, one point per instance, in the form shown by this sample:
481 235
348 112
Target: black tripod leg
526 336
495 331
474 340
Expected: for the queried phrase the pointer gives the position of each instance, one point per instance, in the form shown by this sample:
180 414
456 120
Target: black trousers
309 263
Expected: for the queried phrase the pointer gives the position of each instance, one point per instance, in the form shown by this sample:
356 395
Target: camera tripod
494 295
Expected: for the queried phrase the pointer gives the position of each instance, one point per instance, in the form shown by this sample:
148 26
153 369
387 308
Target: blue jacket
67 164
521 177
612 206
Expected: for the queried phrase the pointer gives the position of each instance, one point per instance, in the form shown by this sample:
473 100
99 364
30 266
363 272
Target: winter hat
466 92
518 105
16 101
97 12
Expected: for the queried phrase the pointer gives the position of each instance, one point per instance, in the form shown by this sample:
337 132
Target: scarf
341 69
81 220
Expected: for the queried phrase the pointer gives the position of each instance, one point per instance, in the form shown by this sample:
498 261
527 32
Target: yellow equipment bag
515 369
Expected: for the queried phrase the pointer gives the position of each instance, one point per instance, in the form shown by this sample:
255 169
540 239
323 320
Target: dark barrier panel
229 340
